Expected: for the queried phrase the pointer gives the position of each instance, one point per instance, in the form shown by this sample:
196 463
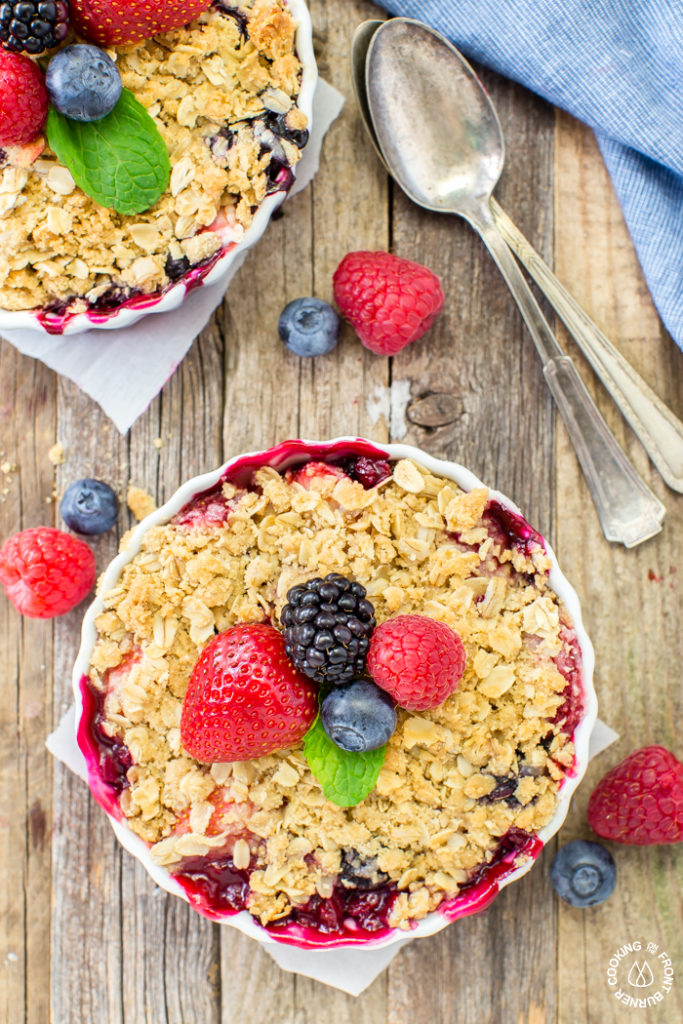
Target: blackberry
327 627
33 26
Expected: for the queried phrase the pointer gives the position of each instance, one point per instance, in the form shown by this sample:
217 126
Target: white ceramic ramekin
174 295
281 457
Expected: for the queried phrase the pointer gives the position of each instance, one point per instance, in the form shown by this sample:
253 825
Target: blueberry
89 507
309 327
359 716
583 873
83 82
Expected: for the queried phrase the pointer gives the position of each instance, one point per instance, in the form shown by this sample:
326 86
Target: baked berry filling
113 756
512 529
368 472
209 510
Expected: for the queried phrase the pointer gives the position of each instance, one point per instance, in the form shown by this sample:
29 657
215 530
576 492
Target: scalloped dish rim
436 919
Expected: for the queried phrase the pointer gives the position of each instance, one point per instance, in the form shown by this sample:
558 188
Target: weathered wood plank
498 966
86 860
631 599
27 418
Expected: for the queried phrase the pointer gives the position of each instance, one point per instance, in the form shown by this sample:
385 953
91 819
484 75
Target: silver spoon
440 139
659 431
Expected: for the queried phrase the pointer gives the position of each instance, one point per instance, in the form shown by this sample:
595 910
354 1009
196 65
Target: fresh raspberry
417 660
46 572
245 698
641 800
388 301
114 22
23 99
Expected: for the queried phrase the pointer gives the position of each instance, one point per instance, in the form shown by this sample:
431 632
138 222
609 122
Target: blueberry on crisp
359 716
309 327
89 507
583 873
83 82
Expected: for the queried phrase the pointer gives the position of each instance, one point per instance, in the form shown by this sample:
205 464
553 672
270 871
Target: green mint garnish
346 778
120 161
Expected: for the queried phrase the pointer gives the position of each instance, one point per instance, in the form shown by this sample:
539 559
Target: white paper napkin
350 970
124 370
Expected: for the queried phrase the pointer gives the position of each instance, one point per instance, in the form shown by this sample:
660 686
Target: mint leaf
346 778
120 161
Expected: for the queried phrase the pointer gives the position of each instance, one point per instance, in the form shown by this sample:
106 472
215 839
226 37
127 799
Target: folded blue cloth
618 66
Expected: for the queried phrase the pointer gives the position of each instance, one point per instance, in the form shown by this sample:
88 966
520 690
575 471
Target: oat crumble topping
222 92
456 778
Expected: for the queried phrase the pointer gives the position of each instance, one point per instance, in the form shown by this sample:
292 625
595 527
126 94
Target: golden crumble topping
213 93
418 544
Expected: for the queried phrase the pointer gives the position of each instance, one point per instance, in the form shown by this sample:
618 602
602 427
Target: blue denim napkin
618 66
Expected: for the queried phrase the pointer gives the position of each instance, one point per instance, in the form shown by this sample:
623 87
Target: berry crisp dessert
138 164
334 692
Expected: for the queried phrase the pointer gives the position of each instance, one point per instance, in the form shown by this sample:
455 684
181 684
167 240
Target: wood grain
25 701
631 599
86 937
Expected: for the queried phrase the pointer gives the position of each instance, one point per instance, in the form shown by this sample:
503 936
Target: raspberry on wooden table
245 698
46 572
23 99
417 660
388 301
640 801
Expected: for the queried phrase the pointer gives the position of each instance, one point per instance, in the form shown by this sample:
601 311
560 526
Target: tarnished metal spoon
658 429
440 139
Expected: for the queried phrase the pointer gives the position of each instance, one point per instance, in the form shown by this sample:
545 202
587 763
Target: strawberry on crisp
115 22
245 698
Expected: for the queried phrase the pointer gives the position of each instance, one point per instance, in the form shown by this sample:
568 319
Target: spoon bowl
457 157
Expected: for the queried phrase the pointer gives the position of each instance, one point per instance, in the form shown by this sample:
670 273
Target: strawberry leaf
346 778
120 161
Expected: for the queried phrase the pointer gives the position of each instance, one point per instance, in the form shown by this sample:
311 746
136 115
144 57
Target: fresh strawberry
245 698
389 302
46 572
640 801
114 22
417 660
23 99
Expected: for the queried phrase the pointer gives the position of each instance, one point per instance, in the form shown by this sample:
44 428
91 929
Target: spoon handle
659 431
628 510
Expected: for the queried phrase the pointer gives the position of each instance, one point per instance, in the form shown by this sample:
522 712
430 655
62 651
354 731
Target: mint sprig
346 778
120 161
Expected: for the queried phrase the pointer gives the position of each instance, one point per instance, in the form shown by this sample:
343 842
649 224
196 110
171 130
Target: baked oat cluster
478 774
222 92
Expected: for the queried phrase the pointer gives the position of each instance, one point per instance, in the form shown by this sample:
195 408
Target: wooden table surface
85 937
